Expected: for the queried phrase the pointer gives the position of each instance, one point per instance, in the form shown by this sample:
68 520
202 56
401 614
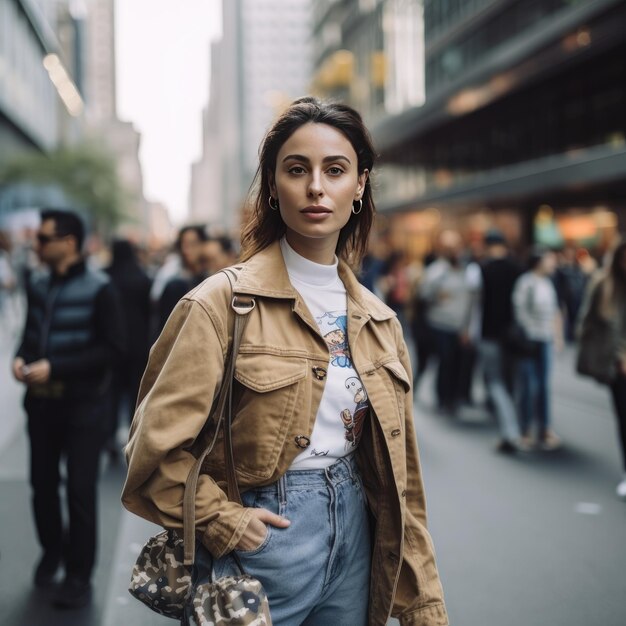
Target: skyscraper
264 63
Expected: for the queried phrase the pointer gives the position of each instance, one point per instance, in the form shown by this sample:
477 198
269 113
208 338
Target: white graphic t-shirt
344 403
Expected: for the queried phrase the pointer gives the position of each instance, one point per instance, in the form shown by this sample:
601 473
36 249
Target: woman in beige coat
333 521
602 352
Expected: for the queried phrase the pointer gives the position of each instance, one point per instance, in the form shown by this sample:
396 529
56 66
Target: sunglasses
44 239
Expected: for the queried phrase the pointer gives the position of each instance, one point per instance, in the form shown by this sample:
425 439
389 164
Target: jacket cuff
431 615
223 534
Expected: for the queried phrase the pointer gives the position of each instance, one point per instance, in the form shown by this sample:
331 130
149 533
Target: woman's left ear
360 190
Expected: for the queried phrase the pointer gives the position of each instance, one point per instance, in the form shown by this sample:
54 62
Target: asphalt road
533 540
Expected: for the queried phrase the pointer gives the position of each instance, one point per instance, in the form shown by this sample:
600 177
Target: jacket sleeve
520 299
181 380
424 605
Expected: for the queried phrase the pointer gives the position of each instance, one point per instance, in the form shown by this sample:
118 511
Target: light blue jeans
492 359
317 571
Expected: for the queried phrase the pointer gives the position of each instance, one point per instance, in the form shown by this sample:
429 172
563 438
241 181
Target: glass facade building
28 101
524 115
370 53
40 104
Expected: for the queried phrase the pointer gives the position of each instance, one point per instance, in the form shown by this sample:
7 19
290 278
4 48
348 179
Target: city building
207 190
370 53
121 138
264 62
522 125
57 88
40 103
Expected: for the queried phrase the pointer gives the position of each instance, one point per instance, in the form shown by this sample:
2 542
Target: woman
133 285
603 342
536 310
334 519
190 245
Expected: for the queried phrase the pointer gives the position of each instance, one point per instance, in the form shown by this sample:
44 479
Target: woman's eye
296 169
335 171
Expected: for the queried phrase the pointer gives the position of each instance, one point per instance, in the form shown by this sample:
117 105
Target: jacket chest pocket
272 391
387 384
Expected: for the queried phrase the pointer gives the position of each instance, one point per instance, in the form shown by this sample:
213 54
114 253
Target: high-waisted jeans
316 571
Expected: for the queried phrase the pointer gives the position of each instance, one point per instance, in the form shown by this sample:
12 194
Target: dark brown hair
613 287
265 225
66 222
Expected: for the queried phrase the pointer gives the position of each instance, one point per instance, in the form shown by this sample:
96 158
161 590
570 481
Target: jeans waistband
341 470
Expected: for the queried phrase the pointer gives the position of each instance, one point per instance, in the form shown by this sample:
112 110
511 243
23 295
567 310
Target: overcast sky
163 51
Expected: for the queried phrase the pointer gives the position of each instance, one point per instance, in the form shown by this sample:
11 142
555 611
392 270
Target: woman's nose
315 186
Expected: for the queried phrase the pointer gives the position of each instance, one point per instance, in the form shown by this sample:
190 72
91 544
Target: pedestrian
449 299
395 284
603 341
372 267
133 285
8 283
422 333
323 435
190 245
536 310
499 272
570 281
219 252
73 335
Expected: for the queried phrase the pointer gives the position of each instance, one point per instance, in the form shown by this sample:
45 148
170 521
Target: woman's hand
255 533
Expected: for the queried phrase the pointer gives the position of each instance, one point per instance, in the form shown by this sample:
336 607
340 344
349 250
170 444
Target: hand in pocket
256 532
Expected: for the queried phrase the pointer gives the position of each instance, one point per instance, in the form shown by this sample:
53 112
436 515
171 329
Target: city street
533 540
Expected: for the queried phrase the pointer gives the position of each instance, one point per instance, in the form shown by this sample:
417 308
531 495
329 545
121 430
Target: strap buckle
242 305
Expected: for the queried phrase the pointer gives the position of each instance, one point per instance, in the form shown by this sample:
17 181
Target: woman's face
190 249
316 182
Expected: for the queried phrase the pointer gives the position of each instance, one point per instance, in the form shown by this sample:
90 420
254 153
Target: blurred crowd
149 284
479 313
485 313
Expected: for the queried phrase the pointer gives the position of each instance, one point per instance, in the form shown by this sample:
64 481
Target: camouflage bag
160 579
231 601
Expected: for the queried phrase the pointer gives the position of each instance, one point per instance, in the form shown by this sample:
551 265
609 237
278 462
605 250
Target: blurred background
503 116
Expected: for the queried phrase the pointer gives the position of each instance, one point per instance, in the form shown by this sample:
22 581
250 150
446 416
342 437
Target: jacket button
396 432
319 372
302 441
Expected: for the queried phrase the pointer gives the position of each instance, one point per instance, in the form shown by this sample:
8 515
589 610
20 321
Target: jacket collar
265 274
76 269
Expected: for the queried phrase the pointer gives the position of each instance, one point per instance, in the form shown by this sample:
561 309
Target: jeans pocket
260 499
261 547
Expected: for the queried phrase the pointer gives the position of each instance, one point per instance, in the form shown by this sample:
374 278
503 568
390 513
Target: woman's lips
315 210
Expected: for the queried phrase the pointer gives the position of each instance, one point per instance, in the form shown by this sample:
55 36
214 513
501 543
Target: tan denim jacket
276 400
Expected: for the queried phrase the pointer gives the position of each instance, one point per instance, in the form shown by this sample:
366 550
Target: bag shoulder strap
241 305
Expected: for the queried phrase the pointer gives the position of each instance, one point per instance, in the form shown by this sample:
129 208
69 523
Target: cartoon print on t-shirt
334 329
353 420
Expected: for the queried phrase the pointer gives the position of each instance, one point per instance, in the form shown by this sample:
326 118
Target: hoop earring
274 206
355 212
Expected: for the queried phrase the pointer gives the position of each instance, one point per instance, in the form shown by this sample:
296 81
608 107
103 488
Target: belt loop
348 464
282 490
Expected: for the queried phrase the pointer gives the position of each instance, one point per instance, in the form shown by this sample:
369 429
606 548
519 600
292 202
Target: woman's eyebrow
305 159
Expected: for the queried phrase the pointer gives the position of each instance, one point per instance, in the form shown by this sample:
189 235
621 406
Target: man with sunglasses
72 337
